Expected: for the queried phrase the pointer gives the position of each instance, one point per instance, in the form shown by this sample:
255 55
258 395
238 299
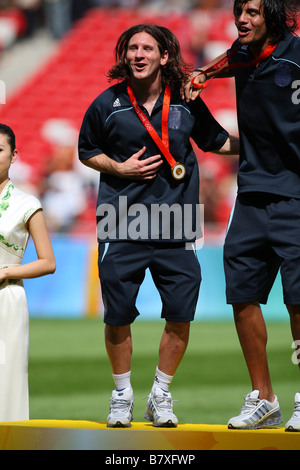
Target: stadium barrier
85 435
74 290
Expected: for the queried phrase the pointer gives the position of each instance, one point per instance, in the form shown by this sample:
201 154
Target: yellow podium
89 435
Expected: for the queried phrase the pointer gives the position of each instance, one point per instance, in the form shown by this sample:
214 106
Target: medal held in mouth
178 170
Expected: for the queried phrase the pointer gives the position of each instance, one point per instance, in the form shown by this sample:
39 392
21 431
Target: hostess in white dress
16 207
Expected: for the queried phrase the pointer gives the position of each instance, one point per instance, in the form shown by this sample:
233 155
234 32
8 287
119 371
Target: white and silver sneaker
293 425
121 408
159 409
256 413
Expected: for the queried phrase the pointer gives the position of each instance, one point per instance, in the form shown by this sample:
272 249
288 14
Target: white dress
16 208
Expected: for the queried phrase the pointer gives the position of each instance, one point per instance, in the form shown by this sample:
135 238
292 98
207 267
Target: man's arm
231 147
132 168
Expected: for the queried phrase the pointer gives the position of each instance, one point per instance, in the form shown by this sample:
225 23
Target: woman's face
7 156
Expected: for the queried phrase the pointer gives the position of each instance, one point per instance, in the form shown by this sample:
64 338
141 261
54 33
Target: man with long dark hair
263 233
137 135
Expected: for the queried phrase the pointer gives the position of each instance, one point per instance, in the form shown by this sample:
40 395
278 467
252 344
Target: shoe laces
120 404
162 403
250 404
297 408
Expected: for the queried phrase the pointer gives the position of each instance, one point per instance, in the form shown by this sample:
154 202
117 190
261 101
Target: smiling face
251 25
144 57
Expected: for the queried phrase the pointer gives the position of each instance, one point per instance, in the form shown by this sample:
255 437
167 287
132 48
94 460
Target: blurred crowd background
58 16
54 55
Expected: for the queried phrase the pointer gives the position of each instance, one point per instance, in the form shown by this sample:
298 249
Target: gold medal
178 171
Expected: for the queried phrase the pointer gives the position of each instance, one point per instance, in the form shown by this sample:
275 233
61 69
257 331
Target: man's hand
216 67
134 168
191 92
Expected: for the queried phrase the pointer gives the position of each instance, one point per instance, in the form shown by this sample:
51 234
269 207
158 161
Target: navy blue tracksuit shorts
175 271
263 237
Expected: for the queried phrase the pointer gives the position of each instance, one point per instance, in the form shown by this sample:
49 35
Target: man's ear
164 58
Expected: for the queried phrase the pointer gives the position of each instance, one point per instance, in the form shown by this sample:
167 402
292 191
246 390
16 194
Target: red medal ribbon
162 143
219 66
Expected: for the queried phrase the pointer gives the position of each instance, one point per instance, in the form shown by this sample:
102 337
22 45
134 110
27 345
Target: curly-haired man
137 135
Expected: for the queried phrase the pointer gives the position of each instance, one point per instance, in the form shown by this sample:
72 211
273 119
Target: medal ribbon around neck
178 169
219 66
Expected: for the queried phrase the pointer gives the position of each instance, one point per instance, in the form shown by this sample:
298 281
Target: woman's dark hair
10 135
280 16
175 73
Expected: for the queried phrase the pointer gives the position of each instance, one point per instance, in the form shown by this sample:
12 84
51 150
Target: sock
162 380
122 380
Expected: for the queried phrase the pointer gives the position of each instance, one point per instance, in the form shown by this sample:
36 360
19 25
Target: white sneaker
256 413
159 409
121 407
293 425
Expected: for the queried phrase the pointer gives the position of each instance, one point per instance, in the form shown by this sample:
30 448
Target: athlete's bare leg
118 342
175 338
173 345
252 333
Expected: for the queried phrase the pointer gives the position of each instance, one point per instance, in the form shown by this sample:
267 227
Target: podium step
89 435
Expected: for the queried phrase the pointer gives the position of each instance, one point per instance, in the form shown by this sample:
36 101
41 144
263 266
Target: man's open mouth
243 31
140 67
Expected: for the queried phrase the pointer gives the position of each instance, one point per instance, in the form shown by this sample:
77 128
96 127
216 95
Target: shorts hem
178 320
231 301
119 323
292 303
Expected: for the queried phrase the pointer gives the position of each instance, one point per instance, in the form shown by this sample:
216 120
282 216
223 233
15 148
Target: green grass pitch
70 376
